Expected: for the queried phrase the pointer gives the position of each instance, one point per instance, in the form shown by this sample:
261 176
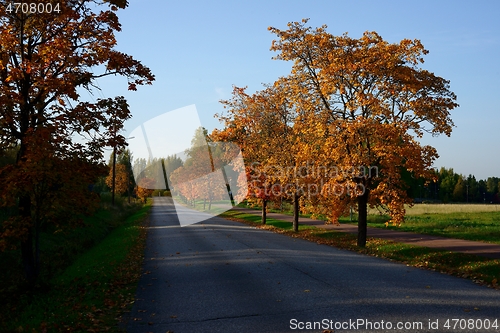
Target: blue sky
199 49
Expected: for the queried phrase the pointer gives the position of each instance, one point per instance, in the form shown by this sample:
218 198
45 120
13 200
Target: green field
257 220
461 221
477 222
217 207
419 209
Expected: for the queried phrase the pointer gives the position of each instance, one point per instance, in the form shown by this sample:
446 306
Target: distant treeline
454 187
449 187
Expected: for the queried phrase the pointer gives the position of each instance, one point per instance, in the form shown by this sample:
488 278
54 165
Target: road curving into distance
223 276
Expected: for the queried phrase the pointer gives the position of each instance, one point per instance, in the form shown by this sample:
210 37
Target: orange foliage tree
261 124
45 60
121 179
201 176
342 127
366 100
145 188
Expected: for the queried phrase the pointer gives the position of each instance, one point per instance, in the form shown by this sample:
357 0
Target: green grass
477 226
90 292
217 207
288 210
481 270
419 209
58 249
461 221
256 219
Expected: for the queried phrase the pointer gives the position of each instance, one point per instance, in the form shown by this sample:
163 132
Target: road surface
222 276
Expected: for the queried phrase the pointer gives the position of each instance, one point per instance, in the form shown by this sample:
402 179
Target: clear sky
199 49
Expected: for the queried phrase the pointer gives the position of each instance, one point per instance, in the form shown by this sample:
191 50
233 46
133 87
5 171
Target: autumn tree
189 180
203 175
365 103
121 179
145 188
262 125
125 158
46 59
124 177
8 156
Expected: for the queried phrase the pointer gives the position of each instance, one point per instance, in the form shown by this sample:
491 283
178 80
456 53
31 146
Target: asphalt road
222 276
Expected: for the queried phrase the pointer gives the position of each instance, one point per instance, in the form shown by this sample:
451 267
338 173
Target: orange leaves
56 185
121 179
121 63
351 104
262 125
145 188
50 59
212 171
366 76
45 60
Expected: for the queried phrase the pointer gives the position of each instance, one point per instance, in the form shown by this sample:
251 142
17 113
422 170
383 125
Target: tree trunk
113 180
37 247
264 212
295 212
129 171
362 218
24 211
27 254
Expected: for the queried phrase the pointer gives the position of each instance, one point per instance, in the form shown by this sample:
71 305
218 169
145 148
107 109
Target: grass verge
95 289
476 226
481 270
216 207
467 222
255 220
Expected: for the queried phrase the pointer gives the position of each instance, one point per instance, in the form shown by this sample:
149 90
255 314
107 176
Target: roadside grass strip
483 271
475 226
473 222
92 293
214 208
